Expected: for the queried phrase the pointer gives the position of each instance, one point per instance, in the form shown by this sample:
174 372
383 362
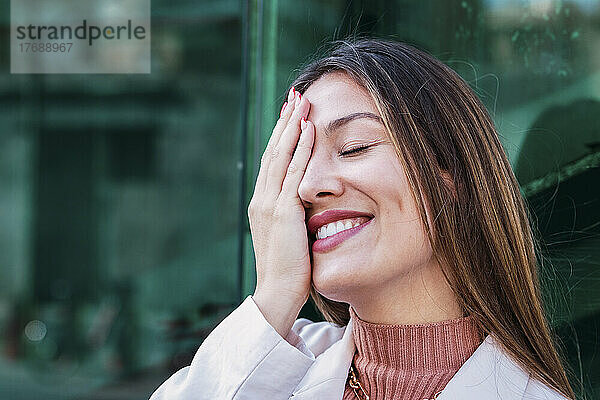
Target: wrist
280 310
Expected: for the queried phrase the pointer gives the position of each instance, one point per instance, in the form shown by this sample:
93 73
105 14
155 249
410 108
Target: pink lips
322 245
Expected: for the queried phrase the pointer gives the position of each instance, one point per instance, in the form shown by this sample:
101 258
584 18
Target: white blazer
244 358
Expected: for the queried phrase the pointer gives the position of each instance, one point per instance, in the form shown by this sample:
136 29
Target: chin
334 281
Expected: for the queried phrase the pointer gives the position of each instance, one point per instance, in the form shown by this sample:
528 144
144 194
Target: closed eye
354 150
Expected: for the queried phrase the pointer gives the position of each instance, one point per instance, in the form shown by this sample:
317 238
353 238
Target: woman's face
386 254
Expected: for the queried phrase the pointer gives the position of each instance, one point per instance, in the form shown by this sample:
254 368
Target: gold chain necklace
356 386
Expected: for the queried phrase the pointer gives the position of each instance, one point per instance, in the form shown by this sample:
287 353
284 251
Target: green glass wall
123 229
119 219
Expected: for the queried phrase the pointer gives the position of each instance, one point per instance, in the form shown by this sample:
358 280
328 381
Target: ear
449 184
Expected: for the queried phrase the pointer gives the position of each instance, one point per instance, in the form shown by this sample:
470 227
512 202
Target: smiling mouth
331 235
336 227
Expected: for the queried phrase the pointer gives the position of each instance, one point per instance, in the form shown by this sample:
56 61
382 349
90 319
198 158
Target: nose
320 181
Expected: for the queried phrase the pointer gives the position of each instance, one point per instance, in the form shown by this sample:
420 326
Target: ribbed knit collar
439 347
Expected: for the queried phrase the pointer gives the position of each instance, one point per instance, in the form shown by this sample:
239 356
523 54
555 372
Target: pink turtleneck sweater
410 362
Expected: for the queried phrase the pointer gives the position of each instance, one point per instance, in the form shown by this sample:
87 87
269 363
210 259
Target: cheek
403 237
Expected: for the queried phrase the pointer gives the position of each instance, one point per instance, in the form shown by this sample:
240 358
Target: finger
297 166
283 152
285 115
273 140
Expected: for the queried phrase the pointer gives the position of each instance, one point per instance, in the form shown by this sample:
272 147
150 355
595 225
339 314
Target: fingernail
298 99
291 94
303 123
282 109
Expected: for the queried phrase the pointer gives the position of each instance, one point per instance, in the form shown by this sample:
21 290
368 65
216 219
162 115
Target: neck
411 362
418 348
420 297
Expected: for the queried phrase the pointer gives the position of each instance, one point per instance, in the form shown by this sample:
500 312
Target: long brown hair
481 234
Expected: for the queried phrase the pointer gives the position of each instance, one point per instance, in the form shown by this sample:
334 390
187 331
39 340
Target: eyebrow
338 123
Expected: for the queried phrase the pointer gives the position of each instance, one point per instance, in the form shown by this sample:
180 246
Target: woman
385 194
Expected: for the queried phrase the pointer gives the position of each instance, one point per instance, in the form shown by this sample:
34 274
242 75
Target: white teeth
322 232
338 226
331 229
